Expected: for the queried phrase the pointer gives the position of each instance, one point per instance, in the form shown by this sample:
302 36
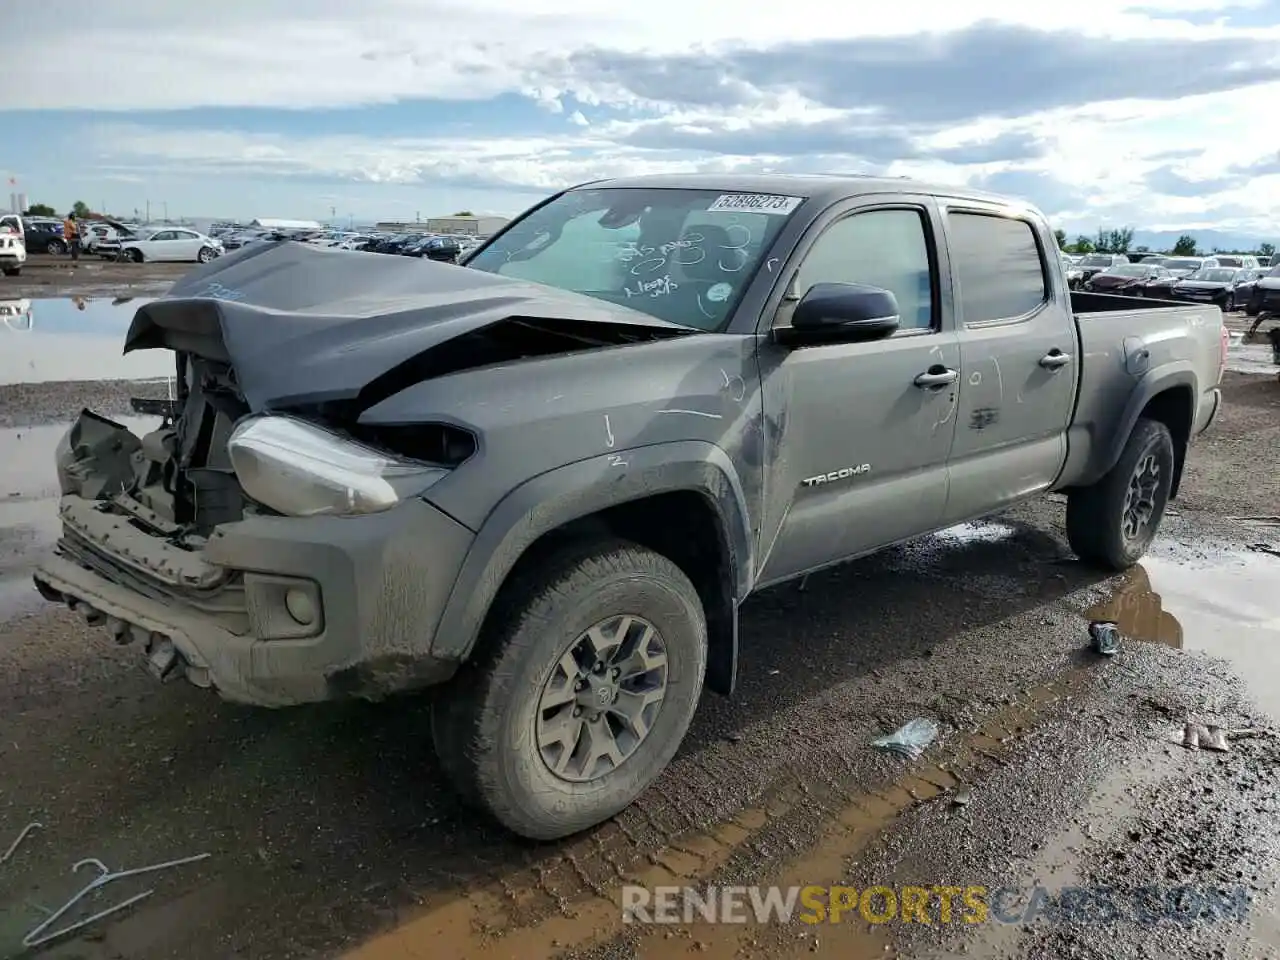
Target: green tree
40 210
464 213
1185 246
1082 245
1061 236
1267 250
80 209
1142 248
1118 241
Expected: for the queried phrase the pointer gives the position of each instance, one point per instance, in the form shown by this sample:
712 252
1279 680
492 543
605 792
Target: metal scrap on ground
105 876
1106 637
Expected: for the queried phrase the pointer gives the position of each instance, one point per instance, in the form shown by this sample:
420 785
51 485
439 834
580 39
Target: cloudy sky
1157 114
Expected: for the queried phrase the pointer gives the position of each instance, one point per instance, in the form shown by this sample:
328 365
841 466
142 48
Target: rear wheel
589 674
1111 523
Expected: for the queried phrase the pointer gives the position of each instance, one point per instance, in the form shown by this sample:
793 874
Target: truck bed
1124 341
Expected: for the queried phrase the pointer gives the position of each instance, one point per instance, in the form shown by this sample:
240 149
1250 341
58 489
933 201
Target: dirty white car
13 250
171 246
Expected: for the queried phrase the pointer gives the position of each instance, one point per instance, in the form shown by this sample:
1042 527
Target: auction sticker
755 203
719 293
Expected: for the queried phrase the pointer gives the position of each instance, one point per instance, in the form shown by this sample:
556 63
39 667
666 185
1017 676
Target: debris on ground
909 740
1106 637
105 876
18 842
1197 736
962 798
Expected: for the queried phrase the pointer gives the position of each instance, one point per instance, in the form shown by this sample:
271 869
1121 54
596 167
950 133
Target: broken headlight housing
303 470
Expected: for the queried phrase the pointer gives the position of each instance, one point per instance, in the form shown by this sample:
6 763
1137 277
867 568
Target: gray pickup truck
546 479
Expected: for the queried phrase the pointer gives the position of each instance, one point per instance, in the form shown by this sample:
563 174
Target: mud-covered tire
484 720
1096 514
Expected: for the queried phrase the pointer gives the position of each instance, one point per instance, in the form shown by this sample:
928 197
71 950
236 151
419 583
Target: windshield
1215 274
1129 271
1174 263
1096 260
684 256
1230 261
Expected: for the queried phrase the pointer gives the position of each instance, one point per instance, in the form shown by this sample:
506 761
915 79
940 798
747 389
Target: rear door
186 244
1018 353
856 441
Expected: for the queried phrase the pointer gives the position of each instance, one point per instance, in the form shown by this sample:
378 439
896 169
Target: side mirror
841 313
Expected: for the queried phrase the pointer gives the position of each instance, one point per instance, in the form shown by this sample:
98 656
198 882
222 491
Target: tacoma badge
844 473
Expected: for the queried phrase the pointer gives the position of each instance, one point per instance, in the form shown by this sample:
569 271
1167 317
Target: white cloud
705 86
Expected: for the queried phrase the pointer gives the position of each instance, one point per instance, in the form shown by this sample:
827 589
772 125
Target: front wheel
1230 305
588 676
12 271
134 255
55 248
205 255
1112 523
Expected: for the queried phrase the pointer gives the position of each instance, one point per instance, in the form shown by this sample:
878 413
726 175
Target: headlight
305 471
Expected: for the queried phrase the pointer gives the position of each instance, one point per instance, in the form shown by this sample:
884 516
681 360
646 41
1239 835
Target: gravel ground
329 830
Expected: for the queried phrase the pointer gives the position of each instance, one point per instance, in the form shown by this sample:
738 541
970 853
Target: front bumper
380 581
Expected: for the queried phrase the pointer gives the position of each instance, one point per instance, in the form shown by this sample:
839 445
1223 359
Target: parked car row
1187 279
433 246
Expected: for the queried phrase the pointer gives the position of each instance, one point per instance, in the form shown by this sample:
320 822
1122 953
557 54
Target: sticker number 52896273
755 203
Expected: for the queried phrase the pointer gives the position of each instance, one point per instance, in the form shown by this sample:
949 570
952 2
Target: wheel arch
682 499
1167 395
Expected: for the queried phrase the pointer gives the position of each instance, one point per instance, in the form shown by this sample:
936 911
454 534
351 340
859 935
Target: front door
858 441
1018 350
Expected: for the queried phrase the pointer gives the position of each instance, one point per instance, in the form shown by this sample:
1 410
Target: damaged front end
261 539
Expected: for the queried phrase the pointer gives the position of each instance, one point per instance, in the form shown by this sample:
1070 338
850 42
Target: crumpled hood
306 324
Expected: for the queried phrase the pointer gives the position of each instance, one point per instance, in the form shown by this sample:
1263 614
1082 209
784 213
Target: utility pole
148 211
417 216
166 210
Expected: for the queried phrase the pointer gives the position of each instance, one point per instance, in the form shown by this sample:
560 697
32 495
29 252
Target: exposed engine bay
180 473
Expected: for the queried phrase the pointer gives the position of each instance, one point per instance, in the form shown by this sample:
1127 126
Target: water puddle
1226 608
73 338
29 506
1250 357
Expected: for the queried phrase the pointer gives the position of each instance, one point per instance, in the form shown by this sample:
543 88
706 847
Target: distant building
467 226
271 223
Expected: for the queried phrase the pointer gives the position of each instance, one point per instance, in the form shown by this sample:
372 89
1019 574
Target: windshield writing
680 255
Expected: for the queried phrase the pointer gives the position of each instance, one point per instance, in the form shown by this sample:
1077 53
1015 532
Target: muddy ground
49 276
330 833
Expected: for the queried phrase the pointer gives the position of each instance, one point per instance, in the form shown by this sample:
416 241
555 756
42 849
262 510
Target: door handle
936 376
1054 359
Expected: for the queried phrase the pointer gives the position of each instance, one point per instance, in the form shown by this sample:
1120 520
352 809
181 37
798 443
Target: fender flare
1169 376
577 490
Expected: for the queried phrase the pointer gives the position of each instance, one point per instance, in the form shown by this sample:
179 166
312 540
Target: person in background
71 234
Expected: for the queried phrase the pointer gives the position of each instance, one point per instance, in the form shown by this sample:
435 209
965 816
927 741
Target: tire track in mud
808 824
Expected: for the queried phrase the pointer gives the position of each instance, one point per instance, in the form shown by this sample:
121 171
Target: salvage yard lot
330 829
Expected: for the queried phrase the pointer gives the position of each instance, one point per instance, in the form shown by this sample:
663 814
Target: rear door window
997 266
